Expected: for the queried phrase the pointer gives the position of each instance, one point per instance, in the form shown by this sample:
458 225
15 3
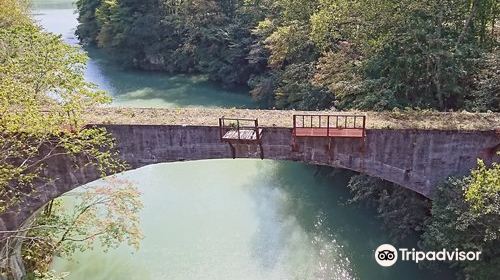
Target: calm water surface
225 219
137 88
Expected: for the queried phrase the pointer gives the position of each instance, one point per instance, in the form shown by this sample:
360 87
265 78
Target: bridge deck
332 132
245 134
277 118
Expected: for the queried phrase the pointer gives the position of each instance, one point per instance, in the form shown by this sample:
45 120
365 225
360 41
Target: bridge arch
415 159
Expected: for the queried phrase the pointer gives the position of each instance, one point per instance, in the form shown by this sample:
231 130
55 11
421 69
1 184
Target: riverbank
281 118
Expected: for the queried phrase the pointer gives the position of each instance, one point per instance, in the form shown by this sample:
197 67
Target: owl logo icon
386 255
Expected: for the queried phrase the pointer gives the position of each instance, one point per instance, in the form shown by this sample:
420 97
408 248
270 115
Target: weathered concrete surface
415 159
283 118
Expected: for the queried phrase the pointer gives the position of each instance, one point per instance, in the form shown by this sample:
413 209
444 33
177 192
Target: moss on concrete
268 118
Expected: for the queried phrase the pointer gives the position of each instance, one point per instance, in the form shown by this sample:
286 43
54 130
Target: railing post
364 126
257 129
220 128
238 128
328 126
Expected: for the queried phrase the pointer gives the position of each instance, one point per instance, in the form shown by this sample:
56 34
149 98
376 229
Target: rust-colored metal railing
236 131
239 125
329 122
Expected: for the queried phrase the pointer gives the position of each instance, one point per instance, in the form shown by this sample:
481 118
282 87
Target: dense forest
314 54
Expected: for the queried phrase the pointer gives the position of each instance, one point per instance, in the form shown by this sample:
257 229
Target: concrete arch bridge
414 150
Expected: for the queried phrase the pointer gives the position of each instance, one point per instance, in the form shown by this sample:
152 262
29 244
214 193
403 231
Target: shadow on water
344 236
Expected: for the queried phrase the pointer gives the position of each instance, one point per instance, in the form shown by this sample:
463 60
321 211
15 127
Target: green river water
226 219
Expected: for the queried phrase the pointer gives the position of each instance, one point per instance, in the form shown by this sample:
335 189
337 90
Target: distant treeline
314 54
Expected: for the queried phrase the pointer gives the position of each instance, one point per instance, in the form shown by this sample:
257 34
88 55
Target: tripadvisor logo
387 255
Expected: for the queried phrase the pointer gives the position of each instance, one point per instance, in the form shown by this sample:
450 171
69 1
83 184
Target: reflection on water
151 89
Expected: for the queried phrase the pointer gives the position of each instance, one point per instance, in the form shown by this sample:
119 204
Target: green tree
485 92
105 215
43 95
483 192
13 13
466 215
87 28
210 37
408 53
370 55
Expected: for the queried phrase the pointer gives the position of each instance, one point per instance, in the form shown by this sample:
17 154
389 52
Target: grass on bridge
280 118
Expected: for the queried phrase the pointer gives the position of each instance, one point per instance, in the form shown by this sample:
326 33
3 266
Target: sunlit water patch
243 219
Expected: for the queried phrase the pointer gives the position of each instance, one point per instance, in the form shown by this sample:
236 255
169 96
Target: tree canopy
466 215
371 55
43 95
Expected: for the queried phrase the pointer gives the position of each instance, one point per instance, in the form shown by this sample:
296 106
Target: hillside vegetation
314 54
